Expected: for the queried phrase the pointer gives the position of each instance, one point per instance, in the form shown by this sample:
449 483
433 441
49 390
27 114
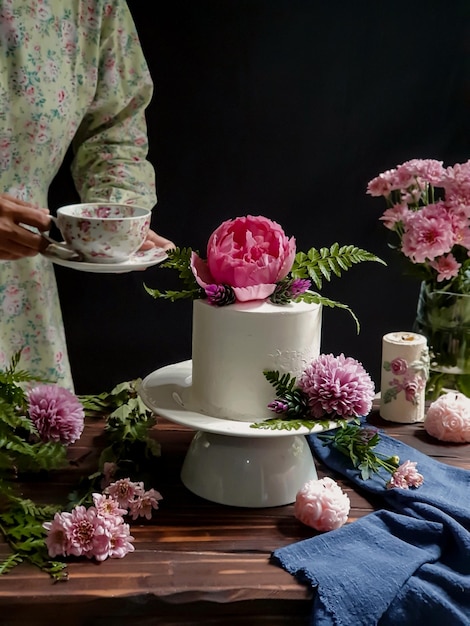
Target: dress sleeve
111 143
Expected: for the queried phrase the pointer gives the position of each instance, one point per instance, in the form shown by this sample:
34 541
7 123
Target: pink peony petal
201 271
256 292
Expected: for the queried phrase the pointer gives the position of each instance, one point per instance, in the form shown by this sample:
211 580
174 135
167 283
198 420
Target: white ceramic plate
166 393
138 261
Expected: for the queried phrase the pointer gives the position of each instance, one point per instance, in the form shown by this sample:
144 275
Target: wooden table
195 562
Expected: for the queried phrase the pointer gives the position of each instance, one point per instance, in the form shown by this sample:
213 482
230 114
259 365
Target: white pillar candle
405 369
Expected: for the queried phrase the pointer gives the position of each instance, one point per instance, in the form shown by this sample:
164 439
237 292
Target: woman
72 72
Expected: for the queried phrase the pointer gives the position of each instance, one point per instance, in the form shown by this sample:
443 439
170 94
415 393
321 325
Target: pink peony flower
448 418
338 385
405 476
250 254
322 504
56 413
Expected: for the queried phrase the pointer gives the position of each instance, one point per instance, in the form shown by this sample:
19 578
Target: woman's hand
156 241
16 241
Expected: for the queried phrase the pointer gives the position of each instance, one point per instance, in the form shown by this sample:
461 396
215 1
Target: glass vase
443 318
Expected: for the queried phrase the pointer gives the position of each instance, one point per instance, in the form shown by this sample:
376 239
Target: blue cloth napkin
407 564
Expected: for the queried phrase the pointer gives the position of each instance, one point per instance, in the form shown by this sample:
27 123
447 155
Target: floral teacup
103 232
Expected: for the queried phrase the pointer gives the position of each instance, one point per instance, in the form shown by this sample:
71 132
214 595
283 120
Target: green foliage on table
128 444
357 443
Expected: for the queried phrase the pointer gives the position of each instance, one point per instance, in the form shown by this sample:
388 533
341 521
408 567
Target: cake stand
228 461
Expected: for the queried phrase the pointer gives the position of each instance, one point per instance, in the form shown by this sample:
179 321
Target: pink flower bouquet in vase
428 211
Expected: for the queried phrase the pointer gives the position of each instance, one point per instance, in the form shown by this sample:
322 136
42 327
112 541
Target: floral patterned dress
71 72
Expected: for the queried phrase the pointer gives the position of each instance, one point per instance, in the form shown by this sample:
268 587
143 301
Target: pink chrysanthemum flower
143 504
57 540
446 266
428 234
107 506
125 491
337 385
56 413
406 476
120 538
322 504
87 533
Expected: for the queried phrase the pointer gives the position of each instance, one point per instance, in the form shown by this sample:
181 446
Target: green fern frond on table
319 264
22 528
129 445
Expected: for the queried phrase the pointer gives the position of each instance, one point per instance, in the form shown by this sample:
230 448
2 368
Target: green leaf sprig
324 263
179 259
358 442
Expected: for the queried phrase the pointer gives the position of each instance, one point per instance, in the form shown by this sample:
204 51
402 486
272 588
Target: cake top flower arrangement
428 210
251 258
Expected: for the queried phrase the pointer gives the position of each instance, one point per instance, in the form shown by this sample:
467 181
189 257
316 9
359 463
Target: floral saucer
139 261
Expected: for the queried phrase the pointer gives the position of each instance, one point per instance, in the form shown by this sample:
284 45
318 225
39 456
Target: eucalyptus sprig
357 443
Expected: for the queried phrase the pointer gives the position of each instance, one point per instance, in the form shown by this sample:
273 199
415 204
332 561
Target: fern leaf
320 264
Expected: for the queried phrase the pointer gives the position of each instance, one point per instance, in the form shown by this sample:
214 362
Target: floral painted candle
405 369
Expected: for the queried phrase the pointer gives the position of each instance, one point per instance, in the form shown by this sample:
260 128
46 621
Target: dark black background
283 108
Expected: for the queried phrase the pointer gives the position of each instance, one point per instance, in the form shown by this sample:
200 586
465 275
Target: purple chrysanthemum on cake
337 385
56 412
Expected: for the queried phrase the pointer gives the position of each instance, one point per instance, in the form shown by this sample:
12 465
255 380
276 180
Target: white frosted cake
232 346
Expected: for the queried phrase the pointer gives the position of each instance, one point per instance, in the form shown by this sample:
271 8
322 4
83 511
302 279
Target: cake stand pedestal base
247 472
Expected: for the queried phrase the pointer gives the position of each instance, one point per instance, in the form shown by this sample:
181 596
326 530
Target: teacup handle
60 248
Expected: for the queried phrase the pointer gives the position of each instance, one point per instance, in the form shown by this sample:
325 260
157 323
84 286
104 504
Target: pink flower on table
406 476
337 385
120 538
57 540
447 267
448 418
86 533
249 254
56 412
125 491
428 233
322 504
142 505
107 506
